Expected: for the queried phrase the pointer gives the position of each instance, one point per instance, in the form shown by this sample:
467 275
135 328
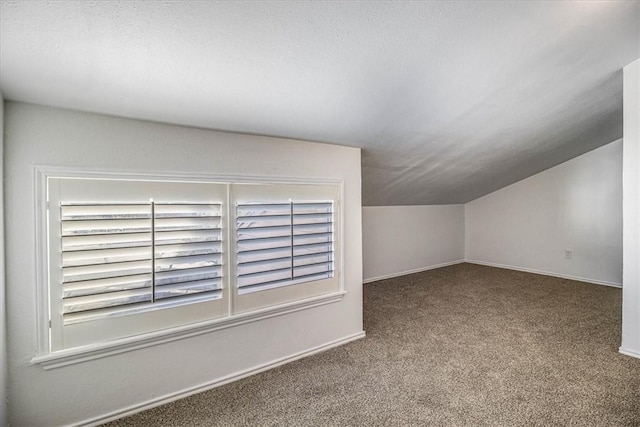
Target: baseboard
545 273
417 270
631 353
152 403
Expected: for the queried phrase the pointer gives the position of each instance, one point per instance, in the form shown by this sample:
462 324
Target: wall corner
3 317
631 211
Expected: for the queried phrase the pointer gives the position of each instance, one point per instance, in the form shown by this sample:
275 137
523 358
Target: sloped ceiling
449 100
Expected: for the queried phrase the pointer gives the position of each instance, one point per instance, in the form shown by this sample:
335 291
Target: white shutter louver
121 257
282 244
187 250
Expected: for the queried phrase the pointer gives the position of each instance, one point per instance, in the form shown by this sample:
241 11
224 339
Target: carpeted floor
464 345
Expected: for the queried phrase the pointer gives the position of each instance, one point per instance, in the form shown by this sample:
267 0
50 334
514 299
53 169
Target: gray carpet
457 346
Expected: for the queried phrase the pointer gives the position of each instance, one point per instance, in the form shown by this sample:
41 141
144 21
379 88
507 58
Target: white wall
97 388
576 205
631 197
3 323
398 240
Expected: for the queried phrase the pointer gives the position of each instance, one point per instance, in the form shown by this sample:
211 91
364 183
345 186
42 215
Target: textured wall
576 205
45 136
400 239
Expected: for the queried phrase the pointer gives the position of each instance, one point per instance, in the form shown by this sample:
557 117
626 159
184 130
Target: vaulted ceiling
448 100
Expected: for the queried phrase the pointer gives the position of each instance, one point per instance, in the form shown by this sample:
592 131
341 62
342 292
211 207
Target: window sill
82 354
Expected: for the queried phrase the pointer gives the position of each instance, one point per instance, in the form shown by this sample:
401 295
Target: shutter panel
116 256
282 244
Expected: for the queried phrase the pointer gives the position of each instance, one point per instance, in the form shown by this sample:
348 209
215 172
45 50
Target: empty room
319 213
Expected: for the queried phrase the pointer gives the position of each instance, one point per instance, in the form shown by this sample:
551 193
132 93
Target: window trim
54 359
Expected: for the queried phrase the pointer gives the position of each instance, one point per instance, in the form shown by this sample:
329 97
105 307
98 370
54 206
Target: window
116 256
127 257
130 256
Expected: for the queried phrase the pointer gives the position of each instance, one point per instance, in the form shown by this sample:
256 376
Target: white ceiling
449 100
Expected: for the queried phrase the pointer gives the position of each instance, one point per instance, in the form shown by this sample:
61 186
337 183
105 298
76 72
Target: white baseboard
152 403
545 273
417 270
629 353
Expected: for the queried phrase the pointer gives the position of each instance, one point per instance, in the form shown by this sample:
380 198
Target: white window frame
53 359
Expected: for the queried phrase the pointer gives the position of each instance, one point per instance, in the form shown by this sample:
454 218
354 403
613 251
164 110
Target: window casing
129 257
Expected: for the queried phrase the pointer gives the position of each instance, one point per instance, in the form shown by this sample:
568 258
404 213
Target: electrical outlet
568 254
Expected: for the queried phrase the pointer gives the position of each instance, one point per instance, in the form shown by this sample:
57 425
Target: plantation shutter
283 244
128 257
117 256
